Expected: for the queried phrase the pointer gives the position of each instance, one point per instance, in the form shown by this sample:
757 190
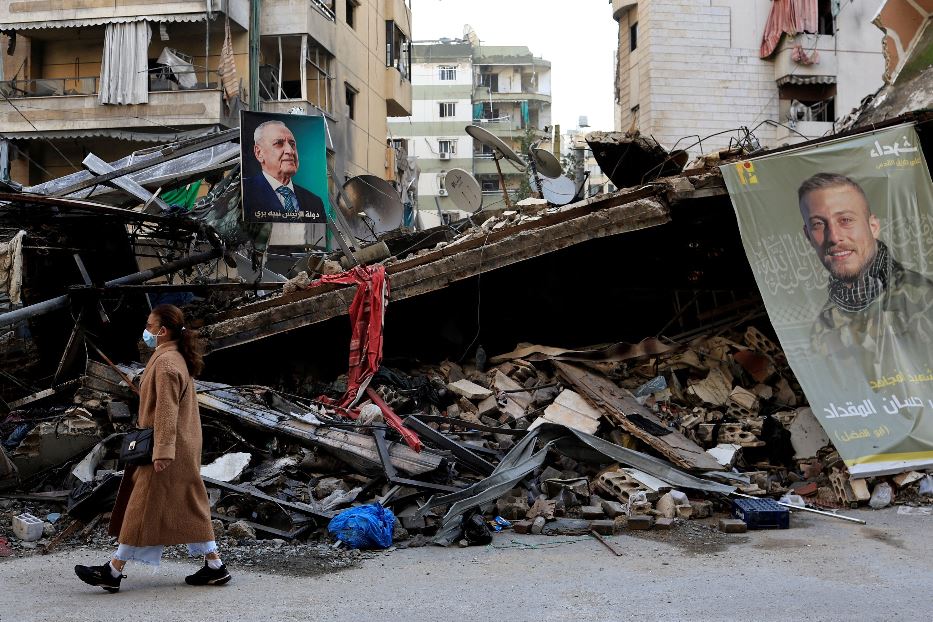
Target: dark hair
821 181
173 320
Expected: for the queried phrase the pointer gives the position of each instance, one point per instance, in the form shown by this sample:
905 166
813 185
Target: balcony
64 104
621 7
301 17
481 93
398 94
823 71
32 14
399 12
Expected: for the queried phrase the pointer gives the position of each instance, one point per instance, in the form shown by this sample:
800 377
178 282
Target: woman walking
165 502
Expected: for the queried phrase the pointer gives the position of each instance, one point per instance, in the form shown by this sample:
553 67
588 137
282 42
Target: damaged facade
601 366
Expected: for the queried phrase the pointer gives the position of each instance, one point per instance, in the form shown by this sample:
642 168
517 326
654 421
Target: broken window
448 73
398 51
489 111
490 184
296 68
447 109
633 37
350 99
808 102
490 81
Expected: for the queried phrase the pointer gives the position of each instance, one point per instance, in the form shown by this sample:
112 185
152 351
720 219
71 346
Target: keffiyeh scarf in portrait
855 296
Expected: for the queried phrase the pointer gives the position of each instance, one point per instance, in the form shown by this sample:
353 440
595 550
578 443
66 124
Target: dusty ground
820 569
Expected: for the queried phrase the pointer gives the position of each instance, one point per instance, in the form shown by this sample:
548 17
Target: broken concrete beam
470 390
52 443
732 525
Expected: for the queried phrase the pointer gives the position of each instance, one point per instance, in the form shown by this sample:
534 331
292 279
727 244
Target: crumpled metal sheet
523 459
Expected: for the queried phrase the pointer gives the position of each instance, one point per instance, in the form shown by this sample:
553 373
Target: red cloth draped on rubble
791 17
367 314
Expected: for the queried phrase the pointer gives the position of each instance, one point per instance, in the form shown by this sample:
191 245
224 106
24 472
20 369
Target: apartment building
115 77
459 82
690 71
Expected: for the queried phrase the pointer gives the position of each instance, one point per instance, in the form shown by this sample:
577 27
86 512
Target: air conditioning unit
442 192
445 155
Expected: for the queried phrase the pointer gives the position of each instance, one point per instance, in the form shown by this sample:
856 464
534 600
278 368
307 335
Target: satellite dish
557 191
546 162
499 148
463 190
376 206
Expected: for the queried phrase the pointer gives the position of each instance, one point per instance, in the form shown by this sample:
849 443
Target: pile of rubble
539 440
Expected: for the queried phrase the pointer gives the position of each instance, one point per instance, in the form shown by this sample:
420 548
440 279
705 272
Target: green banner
840 239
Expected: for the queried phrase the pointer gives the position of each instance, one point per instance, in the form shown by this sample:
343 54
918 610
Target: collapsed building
584 368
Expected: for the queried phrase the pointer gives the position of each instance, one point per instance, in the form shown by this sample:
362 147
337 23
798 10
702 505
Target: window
825 22
350 97
633 37
447 109
398 51
490 81
447 146
351 12
490 185
448 73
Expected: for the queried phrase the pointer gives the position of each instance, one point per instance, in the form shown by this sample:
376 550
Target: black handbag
137 447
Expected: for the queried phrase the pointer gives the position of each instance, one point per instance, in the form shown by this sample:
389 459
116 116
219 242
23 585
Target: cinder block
640 522
701 508
613 509
664 523
732 525
27 527
604 527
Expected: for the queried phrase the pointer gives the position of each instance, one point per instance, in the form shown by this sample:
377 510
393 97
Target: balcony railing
325 8
48 87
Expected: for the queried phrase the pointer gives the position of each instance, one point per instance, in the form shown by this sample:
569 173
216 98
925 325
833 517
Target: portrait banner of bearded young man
284 168
839 237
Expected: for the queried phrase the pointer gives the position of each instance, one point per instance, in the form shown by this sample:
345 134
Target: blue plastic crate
761 513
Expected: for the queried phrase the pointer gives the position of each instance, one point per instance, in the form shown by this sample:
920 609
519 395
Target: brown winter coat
170 507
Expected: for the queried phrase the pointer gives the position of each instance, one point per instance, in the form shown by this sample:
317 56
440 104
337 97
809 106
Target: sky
578 37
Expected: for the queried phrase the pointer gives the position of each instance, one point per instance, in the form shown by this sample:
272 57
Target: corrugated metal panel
146 137
102 21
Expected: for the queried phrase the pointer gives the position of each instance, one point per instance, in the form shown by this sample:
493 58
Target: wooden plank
615 402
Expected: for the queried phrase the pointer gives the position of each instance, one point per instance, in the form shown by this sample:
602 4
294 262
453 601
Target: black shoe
209 576
100 576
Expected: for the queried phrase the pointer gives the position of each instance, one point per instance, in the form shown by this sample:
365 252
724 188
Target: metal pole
61 302
505 191
254 9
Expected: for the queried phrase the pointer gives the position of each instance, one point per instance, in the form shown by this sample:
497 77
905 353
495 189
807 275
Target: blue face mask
149 338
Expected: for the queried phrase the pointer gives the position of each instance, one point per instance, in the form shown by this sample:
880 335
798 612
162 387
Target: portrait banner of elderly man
284 168
839 236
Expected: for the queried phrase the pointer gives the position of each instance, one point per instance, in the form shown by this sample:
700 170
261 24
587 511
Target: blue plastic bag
364 527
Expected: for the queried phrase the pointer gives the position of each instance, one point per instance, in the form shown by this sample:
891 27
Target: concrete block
701 508
591 512
732 525
469 390
664 523
640 522
604 527
27 527
612 509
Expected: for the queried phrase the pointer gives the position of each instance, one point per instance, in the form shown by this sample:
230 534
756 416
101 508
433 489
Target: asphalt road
820 569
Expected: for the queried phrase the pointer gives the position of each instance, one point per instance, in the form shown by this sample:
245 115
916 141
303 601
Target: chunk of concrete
604 527
613 509
591 512
732 525
806 434
640 522
241 530
470 390
228 467
664 523
572 411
